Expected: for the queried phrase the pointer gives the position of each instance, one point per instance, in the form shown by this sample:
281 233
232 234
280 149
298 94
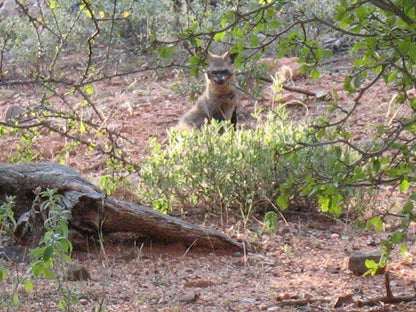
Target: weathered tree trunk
92 211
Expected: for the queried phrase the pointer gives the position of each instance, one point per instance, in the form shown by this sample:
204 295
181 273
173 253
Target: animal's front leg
234 118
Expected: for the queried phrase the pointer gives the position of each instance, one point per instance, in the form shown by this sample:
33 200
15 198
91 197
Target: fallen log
93 212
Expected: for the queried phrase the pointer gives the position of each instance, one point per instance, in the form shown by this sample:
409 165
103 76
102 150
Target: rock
248 300
356 262
188 298
343 301
17 254
130 255
78 274
12 113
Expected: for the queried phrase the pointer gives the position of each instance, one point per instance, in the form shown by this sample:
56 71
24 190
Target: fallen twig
388 298
319 95
385 299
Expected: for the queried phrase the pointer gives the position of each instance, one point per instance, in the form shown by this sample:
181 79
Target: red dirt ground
306 259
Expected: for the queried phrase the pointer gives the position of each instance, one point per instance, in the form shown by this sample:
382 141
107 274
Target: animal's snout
219 77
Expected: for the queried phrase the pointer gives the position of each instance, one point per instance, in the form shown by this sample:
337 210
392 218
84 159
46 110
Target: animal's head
221 68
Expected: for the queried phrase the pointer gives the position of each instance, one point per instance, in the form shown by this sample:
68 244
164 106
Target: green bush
49 259
7 220
274 165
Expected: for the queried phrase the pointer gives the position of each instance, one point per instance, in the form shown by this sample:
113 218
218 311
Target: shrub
274 165
7 220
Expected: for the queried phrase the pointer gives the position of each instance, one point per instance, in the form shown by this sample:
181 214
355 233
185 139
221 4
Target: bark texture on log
92 211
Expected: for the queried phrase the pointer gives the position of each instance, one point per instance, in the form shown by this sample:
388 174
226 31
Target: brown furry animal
220 98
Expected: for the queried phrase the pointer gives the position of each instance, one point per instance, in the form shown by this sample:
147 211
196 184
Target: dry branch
92 211
389 298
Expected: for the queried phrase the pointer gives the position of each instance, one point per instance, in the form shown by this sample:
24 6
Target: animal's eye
220 73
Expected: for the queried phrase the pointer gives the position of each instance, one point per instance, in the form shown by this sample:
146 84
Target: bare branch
389 6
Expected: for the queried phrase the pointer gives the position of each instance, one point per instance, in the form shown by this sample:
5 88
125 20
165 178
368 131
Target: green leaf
194 60
37 268
361 11
345 135
88 13
404 185
320 134
283 201
153 37
376 165
48 273
274 24
53 4
324 202
391 77
63 305
223 22
408 208
254 41
264 2
411 49
82 127
396 238
271 222
67 258
404 251
376 222
47 253
348 84
89 89
372 267
335 209
65 245
219 36
315 73
3 273
28 286
237 32
15 299
166 52
37 252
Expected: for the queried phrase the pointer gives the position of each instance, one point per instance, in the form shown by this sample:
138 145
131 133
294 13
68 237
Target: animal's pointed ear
210 55
231 55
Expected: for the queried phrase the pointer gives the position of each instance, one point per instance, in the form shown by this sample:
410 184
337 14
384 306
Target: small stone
356 262
241 237
12 113
343 300
247 300
83 302
130 255
188 298
17 254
